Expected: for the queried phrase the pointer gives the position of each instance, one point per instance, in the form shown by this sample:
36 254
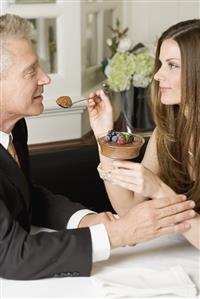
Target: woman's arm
101 121
130 183
193 234
122 197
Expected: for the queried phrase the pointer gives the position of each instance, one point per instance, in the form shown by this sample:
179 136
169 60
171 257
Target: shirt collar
5 138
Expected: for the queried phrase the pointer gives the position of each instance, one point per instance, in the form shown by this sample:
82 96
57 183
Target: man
71 250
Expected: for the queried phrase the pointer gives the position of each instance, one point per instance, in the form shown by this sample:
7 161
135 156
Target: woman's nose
159 76
43 78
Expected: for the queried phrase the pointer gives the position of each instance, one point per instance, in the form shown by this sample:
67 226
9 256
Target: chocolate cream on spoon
66 101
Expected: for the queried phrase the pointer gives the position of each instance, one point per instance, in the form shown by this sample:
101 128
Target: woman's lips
164 89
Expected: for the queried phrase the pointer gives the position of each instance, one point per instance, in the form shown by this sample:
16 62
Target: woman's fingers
127 165
99 97
126 181
103 96
126 175
92 95
123 172
91 104
129 176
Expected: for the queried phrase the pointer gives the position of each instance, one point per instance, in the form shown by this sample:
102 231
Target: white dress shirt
99 236
4 139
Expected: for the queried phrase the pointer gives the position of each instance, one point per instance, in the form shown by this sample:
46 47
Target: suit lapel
20 143
15 174
22 154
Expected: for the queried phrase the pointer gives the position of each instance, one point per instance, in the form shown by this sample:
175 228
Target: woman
171 163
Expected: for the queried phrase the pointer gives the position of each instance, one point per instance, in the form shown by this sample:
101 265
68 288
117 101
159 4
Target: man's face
21 90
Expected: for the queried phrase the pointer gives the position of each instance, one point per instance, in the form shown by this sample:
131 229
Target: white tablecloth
159 254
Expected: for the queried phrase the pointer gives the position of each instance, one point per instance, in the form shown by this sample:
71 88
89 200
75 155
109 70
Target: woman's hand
137 178
100 113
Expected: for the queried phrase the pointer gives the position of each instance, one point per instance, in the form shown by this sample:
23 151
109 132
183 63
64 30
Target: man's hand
151 219
92 219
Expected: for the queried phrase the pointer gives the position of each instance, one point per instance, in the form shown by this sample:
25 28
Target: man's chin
38 109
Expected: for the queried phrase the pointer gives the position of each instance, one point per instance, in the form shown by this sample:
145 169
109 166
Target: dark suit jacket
26 256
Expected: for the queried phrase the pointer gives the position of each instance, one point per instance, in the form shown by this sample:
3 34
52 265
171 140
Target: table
157 254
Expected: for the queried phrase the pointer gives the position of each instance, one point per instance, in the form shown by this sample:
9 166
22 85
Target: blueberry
114 138
107 137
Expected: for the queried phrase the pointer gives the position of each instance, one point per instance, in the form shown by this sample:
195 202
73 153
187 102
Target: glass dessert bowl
121 145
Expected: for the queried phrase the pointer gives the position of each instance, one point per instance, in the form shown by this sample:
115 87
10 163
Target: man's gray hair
11 27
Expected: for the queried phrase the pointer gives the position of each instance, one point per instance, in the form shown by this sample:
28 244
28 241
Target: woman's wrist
163 190
102 133
104 168
103 173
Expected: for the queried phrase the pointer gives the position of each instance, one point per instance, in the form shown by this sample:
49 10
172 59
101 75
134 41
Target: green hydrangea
126 68
143 72
120 70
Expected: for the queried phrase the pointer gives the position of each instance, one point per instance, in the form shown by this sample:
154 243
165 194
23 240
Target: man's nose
43 78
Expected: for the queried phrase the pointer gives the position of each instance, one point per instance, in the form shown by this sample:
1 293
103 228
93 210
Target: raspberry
121 140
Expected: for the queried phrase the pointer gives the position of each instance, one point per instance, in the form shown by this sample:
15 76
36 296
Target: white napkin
141 282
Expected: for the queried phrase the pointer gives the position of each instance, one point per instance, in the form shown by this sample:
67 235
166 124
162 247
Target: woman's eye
173 65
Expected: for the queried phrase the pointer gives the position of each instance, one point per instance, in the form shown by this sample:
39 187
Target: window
96 18
70 40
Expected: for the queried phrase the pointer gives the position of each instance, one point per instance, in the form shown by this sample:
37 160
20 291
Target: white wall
148 19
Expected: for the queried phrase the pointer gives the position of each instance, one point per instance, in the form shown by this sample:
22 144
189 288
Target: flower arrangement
127 65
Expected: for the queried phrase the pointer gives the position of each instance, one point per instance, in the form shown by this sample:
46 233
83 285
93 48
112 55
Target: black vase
136 109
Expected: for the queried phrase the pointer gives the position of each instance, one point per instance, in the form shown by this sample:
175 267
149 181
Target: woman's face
169 74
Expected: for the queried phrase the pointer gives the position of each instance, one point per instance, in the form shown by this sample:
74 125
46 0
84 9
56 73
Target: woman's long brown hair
178 126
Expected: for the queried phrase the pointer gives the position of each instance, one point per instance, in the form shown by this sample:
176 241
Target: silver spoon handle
79 101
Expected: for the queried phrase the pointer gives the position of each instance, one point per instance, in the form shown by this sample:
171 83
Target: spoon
66 101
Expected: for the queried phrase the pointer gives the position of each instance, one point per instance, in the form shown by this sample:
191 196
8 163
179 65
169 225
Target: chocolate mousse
120 145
